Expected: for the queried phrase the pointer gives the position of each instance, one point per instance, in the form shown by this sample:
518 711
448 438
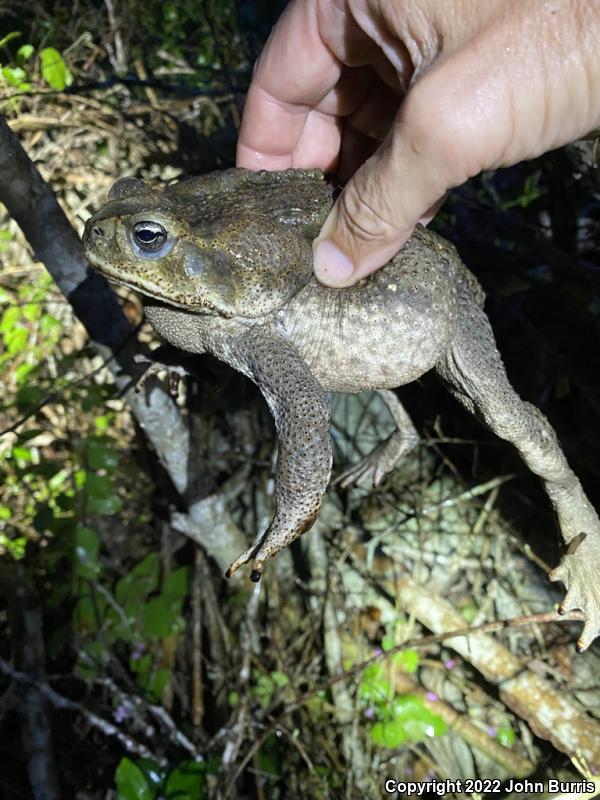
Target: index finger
296 70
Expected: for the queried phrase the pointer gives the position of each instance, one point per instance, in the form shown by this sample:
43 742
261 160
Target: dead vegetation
267 687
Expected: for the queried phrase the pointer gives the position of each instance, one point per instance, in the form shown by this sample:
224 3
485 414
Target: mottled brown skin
231 275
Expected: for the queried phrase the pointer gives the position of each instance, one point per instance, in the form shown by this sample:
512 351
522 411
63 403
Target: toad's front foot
579 570
175 372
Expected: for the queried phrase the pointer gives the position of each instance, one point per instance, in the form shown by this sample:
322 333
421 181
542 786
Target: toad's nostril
97 232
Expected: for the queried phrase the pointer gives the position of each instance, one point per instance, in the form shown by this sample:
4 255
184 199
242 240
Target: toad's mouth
187 301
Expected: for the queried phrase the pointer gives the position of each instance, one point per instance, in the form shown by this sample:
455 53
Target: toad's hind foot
580 573
376 465
387 455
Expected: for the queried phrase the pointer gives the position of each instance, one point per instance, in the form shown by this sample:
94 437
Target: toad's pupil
147 236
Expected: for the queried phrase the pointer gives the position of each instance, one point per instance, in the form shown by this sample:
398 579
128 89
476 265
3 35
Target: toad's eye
149 236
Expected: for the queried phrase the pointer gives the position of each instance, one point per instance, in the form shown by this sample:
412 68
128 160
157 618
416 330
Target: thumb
399 185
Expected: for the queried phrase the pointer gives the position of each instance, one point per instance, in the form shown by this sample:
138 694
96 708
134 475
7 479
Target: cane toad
224 262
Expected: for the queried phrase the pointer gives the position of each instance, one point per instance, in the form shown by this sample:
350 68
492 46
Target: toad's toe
579 573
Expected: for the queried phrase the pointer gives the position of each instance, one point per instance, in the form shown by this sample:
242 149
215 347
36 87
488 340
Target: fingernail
332 267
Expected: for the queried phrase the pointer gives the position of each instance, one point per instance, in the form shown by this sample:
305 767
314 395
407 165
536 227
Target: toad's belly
352 347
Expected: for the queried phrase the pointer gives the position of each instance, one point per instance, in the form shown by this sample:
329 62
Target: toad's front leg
301 412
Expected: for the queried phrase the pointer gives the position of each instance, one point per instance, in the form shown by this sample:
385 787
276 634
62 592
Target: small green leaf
233 698
10 318
268 757
9 37
15 547
23 53
22 454
155 774
32 311
49 325
408 705
506 736
29 397
407 660
279 678
131 782
101 497
177 583
54 70
22 371
388 734
16 340
373 687
86 545
161 617
141 581
186 782
14 76
157 682
100 454
84 615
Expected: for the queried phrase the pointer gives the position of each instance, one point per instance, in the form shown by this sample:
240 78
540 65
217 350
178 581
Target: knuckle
364 218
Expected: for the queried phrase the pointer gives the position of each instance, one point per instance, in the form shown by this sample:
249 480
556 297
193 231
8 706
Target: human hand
429 93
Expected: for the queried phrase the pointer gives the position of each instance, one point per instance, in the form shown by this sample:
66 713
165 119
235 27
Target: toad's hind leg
371 470
473 371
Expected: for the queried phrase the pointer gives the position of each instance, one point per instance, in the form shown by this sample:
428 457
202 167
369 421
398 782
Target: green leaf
155 774
15 547
177 583
10 318
186 782
32 311
506 736
100 454
84 615
9 37
407 660
101 497
23 371
28 397
92 660
268 757
131 782
49 325
233 698
388 734
374 688
54 70
157 682
408 705
23 53
86 545
416 719
141 581
16 340
279 678
22 454
15 76
161 617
